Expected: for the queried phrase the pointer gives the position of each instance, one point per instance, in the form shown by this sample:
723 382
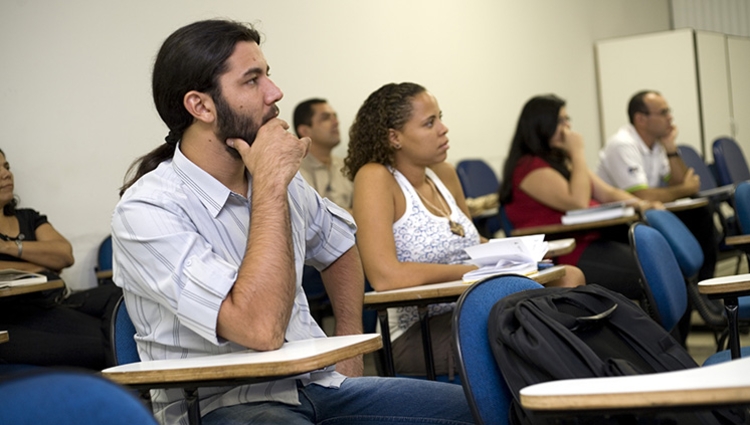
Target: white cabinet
704 76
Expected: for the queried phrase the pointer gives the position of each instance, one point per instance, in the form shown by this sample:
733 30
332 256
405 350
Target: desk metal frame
421 297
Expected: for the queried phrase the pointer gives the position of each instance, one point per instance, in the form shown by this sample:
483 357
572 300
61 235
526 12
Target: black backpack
567 333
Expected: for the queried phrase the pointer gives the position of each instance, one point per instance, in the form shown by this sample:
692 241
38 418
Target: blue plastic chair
488 396
730 161
742 206
708 182
689 256
742 209
478 179
693 160
663 284
104 260
66 398
686 249
123 335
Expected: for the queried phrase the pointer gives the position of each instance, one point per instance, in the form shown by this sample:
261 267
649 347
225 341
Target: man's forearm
258 308
677 170
662 194
344 282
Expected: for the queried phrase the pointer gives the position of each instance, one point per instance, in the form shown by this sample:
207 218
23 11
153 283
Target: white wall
629 64
75 87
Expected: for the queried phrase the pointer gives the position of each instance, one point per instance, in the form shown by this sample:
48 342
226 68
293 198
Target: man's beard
236 126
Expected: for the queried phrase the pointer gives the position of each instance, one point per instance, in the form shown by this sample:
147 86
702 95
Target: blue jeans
365 401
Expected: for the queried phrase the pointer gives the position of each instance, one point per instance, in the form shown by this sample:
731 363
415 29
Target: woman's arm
50 250
549 187
376 194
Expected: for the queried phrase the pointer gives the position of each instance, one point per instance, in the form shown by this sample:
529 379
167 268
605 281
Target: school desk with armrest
719 385
556 229
729 288
421 297
241 368
27 289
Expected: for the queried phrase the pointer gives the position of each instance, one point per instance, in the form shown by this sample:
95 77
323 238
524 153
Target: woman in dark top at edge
44 328
545 175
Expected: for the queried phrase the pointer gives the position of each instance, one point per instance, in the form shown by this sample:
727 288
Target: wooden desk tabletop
566 228
36 287
725 284
104 274
560 247
725 190
4 336
685 204
446 289
293 358
737 240
720 384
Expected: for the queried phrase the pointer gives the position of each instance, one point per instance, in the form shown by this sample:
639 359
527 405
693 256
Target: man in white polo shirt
642 158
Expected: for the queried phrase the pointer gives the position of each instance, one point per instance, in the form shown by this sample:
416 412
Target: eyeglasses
664 112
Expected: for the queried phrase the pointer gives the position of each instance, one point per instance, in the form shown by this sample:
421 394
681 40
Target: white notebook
598 213
12 277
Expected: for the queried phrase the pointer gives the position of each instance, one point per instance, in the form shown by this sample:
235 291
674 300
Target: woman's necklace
456 228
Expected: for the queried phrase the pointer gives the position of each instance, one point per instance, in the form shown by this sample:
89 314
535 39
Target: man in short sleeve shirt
316 119
211 235
642 158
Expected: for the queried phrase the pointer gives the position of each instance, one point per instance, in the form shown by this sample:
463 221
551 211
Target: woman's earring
396 146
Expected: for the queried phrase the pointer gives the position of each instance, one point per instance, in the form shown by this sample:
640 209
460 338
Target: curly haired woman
411 213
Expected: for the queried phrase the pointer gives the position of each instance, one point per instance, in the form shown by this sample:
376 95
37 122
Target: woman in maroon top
546 175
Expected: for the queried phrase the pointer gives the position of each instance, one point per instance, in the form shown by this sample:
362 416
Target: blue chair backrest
685 247
123 333
664 285
730 162
505 223
486 392
104 260
742 206
693 160
477 178
66 397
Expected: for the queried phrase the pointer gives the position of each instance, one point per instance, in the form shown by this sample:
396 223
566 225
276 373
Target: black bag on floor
590 331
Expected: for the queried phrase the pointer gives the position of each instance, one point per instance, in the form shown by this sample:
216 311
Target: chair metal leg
193 406
429 360
145 396
731 304
385 331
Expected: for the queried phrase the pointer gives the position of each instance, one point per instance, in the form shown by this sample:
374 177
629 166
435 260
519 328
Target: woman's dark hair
9 208
536 126
192 58
388 107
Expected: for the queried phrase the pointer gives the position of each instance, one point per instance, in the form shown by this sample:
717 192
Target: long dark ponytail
192 58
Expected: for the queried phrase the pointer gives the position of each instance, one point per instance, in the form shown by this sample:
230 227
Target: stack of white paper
601 212
517 255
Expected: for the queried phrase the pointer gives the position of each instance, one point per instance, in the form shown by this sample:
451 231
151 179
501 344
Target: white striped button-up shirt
179 237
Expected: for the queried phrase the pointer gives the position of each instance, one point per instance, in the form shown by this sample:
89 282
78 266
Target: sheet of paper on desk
517 255
13 277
